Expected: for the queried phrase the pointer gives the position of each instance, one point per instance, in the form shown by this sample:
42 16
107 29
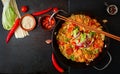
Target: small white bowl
28 22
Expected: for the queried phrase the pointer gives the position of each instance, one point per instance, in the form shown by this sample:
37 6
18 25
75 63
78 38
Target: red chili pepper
41 12
11 32
55 64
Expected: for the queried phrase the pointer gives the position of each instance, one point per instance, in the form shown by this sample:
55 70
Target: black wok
72 63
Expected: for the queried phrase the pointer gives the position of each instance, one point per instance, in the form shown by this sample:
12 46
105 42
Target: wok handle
110 59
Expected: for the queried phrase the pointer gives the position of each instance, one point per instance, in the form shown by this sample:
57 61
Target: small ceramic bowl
28 22
112 9
46 23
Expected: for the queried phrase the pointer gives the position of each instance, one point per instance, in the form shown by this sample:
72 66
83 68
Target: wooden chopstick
88 27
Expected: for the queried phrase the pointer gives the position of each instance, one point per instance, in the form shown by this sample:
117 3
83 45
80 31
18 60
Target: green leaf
95 51
75 31
67 39
72 57
83 37
91 34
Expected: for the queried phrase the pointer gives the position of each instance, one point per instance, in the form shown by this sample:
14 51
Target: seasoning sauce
112 9
46 23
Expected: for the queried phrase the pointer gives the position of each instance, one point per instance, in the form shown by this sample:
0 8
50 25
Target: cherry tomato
24 8
52 22
55 9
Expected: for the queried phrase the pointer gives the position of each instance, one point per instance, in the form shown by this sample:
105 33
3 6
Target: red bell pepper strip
41 12
11 32
55 64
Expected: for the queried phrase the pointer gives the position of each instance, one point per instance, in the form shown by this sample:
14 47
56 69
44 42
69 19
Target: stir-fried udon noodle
80 44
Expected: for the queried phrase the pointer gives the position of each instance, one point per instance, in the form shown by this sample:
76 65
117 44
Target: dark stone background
32 55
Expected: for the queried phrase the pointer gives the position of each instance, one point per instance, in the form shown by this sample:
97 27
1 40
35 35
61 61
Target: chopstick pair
88 27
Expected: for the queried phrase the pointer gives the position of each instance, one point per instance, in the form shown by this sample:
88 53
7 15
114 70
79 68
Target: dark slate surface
33 55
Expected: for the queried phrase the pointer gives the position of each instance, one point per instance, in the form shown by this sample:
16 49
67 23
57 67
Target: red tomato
92 22
96 45
70 29
24 8
55 9
76 47
74 24
69 51
73 43
61 43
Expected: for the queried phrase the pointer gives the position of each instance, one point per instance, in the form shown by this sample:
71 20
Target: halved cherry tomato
24 8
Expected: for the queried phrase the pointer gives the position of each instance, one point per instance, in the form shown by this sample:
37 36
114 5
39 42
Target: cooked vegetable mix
80 44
